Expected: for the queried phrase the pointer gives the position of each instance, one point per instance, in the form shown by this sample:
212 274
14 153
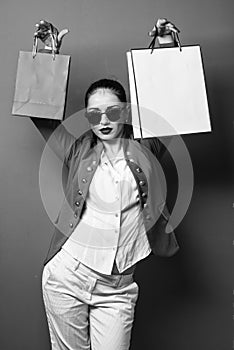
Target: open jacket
81 156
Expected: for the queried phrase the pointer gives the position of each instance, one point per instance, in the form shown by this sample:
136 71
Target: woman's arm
45 126
166 38
56 135
60 140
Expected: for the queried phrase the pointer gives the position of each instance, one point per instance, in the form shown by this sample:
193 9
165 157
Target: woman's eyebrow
98 109
113 106
93 109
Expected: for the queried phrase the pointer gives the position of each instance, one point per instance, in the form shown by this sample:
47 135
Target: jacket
81 156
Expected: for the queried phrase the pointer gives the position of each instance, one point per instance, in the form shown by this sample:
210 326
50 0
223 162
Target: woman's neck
112 147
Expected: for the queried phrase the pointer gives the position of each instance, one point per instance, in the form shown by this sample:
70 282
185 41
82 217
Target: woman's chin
107 137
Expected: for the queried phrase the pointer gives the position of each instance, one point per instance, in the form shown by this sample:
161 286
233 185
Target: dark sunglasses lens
93 117
113 114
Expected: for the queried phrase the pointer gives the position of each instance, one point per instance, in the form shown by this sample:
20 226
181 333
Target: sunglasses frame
106 112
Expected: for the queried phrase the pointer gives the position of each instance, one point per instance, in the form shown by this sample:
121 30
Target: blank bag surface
168 93
41 84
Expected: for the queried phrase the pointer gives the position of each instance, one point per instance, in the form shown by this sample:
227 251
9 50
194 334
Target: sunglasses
112 113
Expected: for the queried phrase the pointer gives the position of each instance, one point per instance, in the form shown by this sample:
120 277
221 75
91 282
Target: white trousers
87 310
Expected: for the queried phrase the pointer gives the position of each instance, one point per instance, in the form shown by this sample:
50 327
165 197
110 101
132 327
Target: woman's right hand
165 31
44 30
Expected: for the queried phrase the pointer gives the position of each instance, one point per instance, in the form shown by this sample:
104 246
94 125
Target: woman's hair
108 84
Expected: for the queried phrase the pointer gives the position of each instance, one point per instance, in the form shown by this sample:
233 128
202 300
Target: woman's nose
104 119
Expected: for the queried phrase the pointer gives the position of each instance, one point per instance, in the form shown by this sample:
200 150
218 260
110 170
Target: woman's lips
106 131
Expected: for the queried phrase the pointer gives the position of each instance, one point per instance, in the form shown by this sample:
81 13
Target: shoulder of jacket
82 142
149 142
86 137
153 144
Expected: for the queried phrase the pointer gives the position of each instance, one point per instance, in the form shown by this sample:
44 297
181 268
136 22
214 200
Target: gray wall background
186 302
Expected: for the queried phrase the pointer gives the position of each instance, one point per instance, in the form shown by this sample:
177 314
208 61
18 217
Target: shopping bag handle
35 45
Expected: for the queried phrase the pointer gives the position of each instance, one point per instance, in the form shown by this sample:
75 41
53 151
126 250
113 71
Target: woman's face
104 100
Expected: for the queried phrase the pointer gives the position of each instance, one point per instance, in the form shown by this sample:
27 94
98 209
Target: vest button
89 168
77 204
142 183
80 192
138 170
144 194
148 217
84 181
75 215
71 224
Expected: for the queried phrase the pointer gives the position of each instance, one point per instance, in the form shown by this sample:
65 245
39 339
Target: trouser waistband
115 280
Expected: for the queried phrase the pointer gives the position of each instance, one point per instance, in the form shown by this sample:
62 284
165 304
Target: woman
113 216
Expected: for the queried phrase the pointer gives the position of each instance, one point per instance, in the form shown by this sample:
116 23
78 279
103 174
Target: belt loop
120 280
117 280
125 279
77 265
91 283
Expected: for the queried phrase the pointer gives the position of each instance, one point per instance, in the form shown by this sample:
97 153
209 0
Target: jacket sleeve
154 145
162 243
158 148
57 137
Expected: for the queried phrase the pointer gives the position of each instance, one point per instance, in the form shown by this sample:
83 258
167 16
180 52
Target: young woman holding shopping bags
117 216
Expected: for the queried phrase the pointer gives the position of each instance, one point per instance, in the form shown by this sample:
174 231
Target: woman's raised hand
44 31
165 30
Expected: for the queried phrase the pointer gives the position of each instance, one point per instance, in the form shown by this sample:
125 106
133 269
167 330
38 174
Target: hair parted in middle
108 84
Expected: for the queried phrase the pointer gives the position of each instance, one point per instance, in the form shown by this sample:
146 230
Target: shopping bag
167 91
41 85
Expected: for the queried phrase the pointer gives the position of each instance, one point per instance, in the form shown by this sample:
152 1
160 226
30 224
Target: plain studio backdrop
186 302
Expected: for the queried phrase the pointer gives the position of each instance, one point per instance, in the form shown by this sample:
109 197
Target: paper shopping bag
41 84
167 90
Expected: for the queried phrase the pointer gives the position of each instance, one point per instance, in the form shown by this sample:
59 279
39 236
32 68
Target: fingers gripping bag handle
174 31
35 45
